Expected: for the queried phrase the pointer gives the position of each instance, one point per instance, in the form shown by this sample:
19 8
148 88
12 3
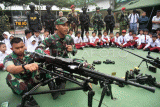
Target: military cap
61 21
32 5
97 8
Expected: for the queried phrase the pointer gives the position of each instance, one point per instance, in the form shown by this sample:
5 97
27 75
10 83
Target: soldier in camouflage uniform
59 44
123 20
97 20
22 75
4 23
73 19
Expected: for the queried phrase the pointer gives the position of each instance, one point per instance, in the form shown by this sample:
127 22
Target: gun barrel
134 54
102 75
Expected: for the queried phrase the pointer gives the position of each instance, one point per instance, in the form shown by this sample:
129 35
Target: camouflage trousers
122 27
97 28
74 27
20 86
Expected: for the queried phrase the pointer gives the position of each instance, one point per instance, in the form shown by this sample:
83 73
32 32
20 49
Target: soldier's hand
31 67
69 48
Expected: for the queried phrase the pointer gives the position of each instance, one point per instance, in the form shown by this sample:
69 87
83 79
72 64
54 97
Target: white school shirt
106 37
78 40
155 26
139 35
120 40
103 40
116 39
85 39
152 44
128 37
142 39
158 45
26 41
133 18
93 39
38 39
2 56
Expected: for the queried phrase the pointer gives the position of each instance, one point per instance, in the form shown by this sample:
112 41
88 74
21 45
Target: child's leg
92 44
78 46
116 43
142 46
155 49
126 45
1 66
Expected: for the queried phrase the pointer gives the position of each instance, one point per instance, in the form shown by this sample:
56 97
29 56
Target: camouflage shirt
96 17
123 20
12 59
57 45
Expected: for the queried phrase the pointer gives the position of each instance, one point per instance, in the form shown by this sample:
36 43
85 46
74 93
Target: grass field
128 96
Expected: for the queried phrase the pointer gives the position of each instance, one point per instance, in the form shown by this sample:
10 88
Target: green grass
128 96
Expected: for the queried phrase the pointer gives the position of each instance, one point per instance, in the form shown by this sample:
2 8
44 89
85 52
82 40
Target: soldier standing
4 23
97 20
123 20
49 20
85 21
73 19
110 22
33 19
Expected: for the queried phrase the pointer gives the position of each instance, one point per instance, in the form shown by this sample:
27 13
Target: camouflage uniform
123 21
24 81
73 21
4 23
57 45
97 22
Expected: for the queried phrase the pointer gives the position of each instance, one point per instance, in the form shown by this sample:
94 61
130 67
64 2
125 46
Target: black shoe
113 45
53 86
107 46
98 47
81 48
101 46
30 102
132 47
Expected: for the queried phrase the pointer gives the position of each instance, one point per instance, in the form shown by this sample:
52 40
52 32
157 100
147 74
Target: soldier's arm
13 69
45 44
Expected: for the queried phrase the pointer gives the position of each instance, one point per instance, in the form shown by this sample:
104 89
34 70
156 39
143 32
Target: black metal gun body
72 66
151 60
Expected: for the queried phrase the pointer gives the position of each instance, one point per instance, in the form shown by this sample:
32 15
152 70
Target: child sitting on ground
3 54
100 41
104 36
93 42
78 41
116 39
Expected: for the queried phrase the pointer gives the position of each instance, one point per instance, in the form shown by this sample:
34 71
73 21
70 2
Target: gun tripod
83 86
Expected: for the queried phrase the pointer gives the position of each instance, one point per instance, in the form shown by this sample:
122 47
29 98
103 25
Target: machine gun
153 61
74 68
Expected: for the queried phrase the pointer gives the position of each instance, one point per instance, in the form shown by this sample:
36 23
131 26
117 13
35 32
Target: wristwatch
24 68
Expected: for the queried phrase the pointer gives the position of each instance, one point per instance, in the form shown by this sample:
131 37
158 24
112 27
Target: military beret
123 8
72 6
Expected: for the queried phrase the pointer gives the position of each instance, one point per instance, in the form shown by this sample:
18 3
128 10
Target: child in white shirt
6 40
3 54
